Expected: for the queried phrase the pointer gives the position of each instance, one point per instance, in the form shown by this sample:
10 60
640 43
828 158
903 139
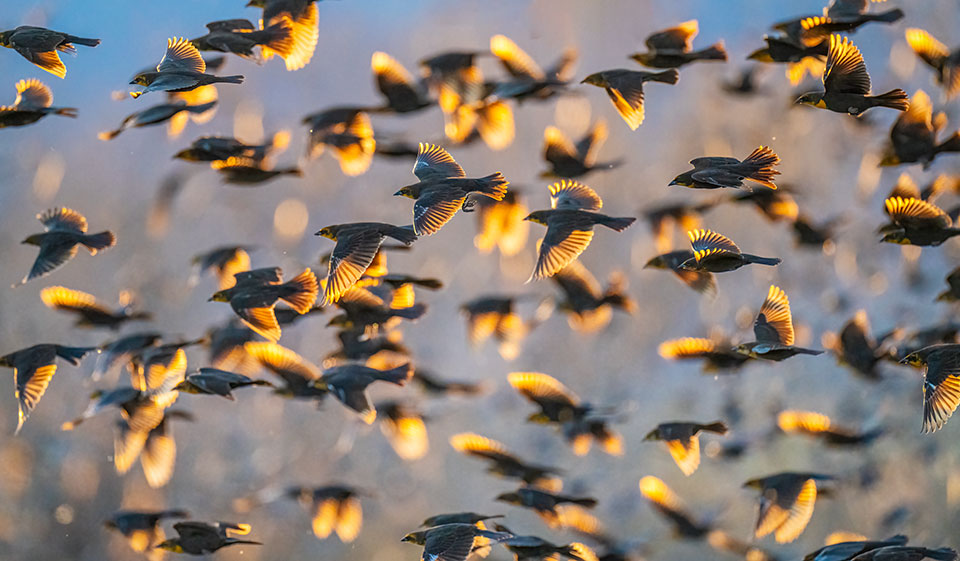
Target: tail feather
279 38
413 312
718 427
403 234
713 52
889 16
66 111
616 294
804 351
305 289
74 355
770 261
493 186
495 536
96 242
82 41
759 166
586 502
201 108
173 514
616 224
666 77
894 99
235 79
942 554
398 375
950 144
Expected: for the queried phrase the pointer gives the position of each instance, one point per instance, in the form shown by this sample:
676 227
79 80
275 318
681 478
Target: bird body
673 48
713 172
256 292
941 382
357 245
773 329
625 89
716 253
182 69
202 538
34 101
40 46
65 230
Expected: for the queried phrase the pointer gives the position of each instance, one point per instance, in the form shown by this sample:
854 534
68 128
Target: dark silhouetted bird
333 509
33 369
256 292
846 550
349 135
702 281
938 56
669 505
717 355
547 505
40 46
587 303
202 538
571 160
451 542
717 253
773 329
673 48
505 464
213 381
33 102
715 172
625 88
357 244
156 115
142 528
224 262
916 222
348 383
820 426
856 347
182 69
240 37
296 372
402 93
65 230
683 441
90 312
913 137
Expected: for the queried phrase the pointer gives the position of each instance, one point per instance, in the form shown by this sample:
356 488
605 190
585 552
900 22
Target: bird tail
96 242
412 312
616 294
616 224
667 76
304 289
235 79
398 375
813 352
291 171
403 234
889 16
278 38
82 41
942 554
495 536
770 261
585 502
580 552
110 135
713 52
66 111
235 541
950 144
493 186
894 99
201 108
718 427
173 514
74 355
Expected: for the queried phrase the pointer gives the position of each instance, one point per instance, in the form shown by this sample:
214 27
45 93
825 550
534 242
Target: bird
786 503
33 369
857 348
683 441
495 316
587 304
215 148
256 292
33 102
846 83
213 381
141 528
773 330
548 506
201 538
224 262
304 19
90 312
65 229
670 506
296 372
716 172
505 464
799 58
625 89
156 115
528 80
451 542
181 69
841 10
820 425
333 509
913 137
534 548
500 224
348 133
240 37
402 93
849 549
570 221
907 553
569 160
368 314
433 385
941 382
357 244
556 403
936 55
701 281
717 253
40 46
405 428
443 188
673 48
916 222
348 383
248 171
775 205
122 351
717 355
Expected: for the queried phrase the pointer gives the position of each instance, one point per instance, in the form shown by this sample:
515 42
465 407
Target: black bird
349 135
123 351
247 171
333 508
717 355
240 37
91 312
569 160
402 93
938 56
673 48
357 244
913 137
348 383
717 253
225 262
65 230
40 46
857 348
588 305
202 538
702 281
181 69
669 505
683 441
625 88
941 382
256 292
142 528
215 148
451 542
715 172
33 102
214 381
528 79
156 115
916 222
505 464
821 426
773 329
548 506
296 372
33 369
844 551
533 548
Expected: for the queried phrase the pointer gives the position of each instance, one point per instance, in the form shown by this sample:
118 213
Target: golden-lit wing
235 162
686 453
31 385
63 219
706 243
941 390
459 123
435 162
238 262
906 187
350 258
47 60
813 65
656 491
799 514
431 212
846 71
490 222
263 321
349 519
162 375
198 96
62 298
927 47
403 297
158 456
306 32
841 536
589 147
571 194
919 113
325 517
393 80
916 213
281 359
686 347
495 125
355 157
517 62
628 99
127 445
407 436
557 147
481 326
677 38
181 56
536 385
33 94
803 421
774 323
558 248
471 443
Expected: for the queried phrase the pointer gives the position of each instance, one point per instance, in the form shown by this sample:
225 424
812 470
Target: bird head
328 232
510 498
220 296
917 359
33 239
652 435
186 387
418 538
170 545
690 264
187 154
657 262
142 79
410 192
755 484
5 38
897 237
813 98
538 217
683 180
595 79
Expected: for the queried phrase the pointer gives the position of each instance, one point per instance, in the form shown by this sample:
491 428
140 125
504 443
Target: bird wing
448 544
356 398
127 445
32 381
476 445
941 389
561 245
517 62
589 145
435 162
846 72
679 38
181 55
435 208
927 47
686 347
541 387
572 194
798 514
577 282
283 362
349 519
350 258
47 60
706 243
627 96
916 213
262 320
63 220
774 323
557 148
63 298
686 453
158 456
713 161
51 257
33 94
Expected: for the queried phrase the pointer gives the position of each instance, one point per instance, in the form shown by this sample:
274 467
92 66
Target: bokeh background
57 487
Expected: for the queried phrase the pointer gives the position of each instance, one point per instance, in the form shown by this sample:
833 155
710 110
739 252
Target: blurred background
58 487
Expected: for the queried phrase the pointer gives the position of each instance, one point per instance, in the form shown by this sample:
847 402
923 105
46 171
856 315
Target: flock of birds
374 302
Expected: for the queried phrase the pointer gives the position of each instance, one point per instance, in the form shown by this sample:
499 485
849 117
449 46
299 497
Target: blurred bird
451 542
500 224
799 58
240 37
906 553
454 78
557 404
348 383
846 83
625 88
90 312
587 304
916 222
247 171
40 46
717 355
528 79
819 425
941 382
913 137
367 314
938 56
348 133
213 381
33 369
505 464
33 102
217 148
303 17
569 160
786 503
256 292
570 222
65 229
581 433
202 538
775 205
296 372
669 505
182 69
856 347
673 48
857 9
533 548
357 244
224 262
402 93
773 329
745 83
850 549
439 387
545 504
142 528
443 189
702 281
952 293
683 441
494 316
122 351
405 429
156 115
717 253
333 508
715 172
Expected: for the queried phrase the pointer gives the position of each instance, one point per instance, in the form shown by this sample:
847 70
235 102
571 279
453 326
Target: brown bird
40 46
90 312
786 503
65 230
569 160
505 464
938 56
181 69
713 172
333 508
941 382
773 329
451 542
443 189
673 48
683 441
256 292
625 88
34 101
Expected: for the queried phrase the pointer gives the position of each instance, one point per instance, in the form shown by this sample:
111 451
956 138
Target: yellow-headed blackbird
357 244
182 69
33 368
122 351
156 115
402 93
669 505
715 172
40 46
348 383
938 56
368 314
443 188
774 205
905 342
240 37
214 148
717 355
811 31
533 548
348 133
800 59
913 137
256 292
570 222
224 262
437 386
907 553
505 464
333 508
952 293
375 351
202 538
33 102
451 542
142 528
673 47
557 403
91 312
701 281
247 171
820 425
304 18
545 504
786 503
682 215
405 429
916 222
501 224
773 329
65 230
854 9
846 83
494 316
528 79
941 382
589 305
570 160
717 253
625 88
213 381
850 549
856 347
296 372
683 441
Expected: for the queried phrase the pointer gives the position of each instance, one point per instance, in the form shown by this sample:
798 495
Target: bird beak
674 182
905 360
398 193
